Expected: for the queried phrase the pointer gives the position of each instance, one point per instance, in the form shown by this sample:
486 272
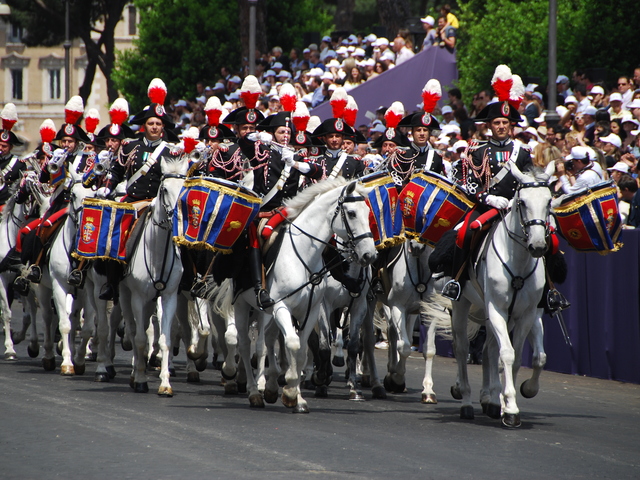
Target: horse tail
221 299
436 310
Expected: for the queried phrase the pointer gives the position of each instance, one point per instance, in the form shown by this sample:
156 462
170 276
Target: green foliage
591 34
185 41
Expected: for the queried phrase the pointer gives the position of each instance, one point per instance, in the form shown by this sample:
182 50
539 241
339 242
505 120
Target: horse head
532 205
350 221
174 171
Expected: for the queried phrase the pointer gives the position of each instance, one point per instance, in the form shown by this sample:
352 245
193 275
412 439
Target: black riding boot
453 288
332 257
109 290
255 265
11 262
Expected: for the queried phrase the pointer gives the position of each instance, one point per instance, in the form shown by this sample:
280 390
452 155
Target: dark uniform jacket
351 168
10 174
484 163
404 163
133 156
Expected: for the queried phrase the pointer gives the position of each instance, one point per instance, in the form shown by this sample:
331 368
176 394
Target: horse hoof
192 353
172 372
79 368
394 387
176 351
466 412
49 364
322 391
201 363
301 408
455 392
193 377
527 391
67 370
378 393
254 361
101 377
271 396
33 351
492 410
132 381
164 391
429 398
92 357
217 365
366 381
126 344
356 396
511 420
111 371
140 387
242 387
231 388
256 401
338 361
289 402
10 356
229 377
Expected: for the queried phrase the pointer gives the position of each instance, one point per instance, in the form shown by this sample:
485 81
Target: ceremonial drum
104 229
385 219
589 219
212 213
430 206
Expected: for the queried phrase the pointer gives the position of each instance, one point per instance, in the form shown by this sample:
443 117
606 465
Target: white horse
507 281
54 286
153 276
14 217
332 206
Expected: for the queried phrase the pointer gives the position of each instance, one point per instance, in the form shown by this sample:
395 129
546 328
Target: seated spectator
611 145
448 116
354 78
616 110
403 53
446 35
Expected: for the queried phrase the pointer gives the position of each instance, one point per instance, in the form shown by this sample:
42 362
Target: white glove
265 137
104 156
287 157
253 136
496 202
201 147
58 155
103 192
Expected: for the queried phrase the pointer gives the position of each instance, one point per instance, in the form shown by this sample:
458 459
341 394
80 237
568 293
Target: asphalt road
70 427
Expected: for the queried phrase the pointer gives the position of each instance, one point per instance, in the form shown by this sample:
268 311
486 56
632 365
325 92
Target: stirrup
107 292
21 286
376 286
35 274
556 301
76 278
263 299
452 290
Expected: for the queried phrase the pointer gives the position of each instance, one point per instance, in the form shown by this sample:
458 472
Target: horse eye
352 214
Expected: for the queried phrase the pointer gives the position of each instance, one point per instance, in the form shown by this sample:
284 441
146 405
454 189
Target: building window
132 20
54 84
16 33
16 83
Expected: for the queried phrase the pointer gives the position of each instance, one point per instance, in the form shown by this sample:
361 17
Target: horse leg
369 342
104 368
462 388
530 387
64 306
167 307
338 355
244 348
44 297
511 414
491 385
5 312
429 352
272 335
87 331
261 355
138 314
402 324
30 311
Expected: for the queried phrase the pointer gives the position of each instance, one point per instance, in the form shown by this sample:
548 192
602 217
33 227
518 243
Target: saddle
136 229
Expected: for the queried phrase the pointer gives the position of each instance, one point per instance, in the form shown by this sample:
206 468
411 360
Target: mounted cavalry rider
11 167
111 137
68 161
138 164
392 138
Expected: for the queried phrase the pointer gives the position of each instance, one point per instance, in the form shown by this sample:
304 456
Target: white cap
458 145
181 103
218 86
308 98
450 129
332 87
562 79
619 167
379 127
381 41
331 54
269 73
531 87
327 76
615 97
235 79
447 109
537 94
597 90
342 51
277 65
326 38
578 153
561 110
571 99
428 19
306 50
285 74
369 62
613 139
540 119
315 72
359 52
590 110
387 56
333 63
372 37
634 104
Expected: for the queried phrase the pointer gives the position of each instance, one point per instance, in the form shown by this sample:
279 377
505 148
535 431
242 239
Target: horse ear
351 188
515 171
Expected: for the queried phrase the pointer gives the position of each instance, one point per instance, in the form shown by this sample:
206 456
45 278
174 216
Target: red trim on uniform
253 236
485 218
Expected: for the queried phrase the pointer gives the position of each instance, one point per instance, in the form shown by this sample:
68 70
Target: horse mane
537 173
174 165
297 204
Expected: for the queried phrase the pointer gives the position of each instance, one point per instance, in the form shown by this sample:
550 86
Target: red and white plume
157 91
9 116
119 111
351 111
288 97
431 94
394 114
300 117
250 91
92 120
190 139
339 102
47 131
501 82
73 110
517 92
213 110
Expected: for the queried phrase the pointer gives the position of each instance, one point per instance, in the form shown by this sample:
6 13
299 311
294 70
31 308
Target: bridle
352 241
525 223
